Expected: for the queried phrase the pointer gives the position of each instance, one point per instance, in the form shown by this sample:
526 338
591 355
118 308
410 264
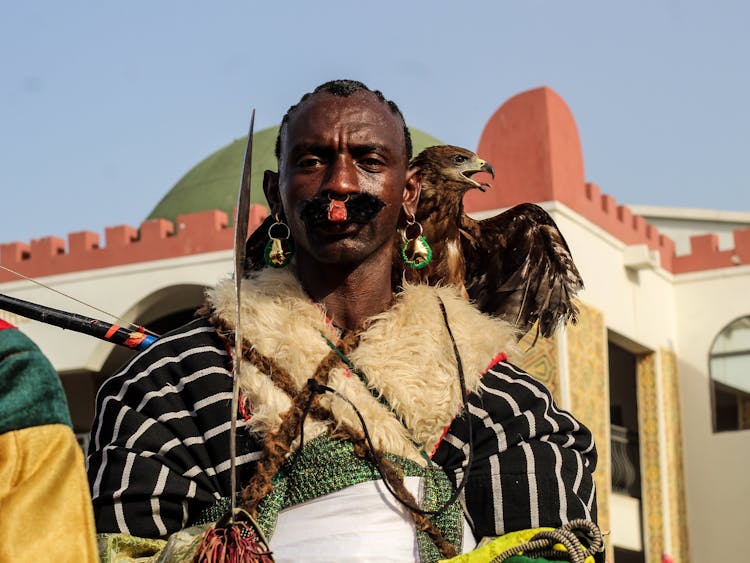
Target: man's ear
412 189
271 189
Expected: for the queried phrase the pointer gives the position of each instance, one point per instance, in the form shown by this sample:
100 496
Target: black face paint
360 208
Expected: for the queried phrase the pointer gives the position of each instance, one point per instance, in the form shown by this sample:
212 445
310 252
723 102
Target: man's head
344 89
338 142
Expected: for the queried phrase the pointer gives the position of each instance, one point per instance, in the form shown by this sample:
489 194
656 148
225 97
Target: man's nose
341 179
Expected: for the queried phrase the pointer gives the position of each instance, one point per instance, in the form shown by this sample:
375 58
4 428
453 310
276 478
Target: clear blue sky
105 105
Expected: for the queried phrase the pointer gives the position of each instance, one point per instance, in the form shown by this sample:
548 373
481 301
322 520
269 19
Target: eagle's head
451 168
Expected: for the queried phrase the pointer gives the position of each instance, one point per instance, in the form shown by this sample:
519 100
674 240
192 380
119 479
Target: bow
134 339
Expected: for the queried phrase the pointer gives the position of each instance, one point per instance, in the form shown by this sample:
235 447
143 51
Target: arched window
729 364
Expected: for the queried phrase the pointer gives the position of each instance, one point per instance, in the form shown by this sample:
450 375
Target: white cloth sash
362 522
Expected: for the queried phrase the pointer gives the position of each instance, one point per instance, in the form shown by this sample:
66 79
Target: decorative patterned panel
675 464
648 414
541 361
589 394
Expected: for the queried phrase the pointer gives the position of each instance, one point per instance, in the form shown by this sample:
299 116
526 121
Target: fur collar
405 352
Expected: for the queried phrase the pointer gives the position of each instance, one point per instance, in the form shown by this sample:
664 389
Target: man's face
332 147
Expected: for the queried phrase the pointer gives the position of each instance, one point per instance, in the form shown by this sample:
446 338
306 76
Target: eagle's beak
484 166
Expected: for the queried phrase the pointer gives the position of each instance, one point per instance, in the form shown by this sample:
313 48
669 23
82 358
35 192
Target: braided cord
581 538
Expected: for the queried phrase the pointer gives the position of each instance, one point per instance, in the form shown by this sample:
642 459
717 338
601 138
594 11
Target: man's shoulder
197 332
192 347
516 387
189 339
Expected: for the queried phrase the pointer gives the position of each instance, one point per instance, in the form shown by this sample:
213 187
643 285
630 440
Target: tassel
234 541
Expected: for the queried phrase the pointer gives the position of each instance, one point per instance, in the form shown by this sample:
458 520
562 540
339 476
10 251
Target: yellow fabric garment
490 548
178 548
45 506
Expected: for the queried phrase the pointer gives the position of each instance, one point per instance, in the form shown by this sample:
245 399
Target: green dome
213 182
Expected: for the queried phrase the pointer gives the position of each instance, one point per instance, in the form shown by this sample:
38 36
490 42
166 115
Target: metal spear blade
243 207
241 221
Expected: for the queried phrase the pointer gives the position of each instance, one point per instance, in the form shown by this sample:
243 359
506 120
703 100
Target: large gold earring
280 248
415 252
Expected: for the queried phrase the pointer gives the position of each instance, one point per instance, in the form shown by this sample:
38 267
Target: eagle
515 265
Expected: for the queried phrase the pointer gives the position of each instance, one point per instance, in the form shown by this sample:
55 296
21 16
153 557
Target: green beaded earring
415 252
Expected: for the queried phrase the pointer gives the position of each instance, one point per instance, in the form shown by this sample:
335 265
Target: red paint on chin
337 211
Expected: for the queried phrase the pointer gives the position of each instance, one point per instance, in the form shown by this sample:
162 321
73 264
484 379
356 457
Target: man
329 342
45 507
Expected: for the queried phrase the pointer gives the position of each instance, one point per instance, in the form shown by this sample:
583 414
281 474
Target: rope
581 538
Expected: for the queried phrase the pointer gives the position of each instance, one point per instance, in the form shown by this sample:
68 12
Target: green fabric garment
30 390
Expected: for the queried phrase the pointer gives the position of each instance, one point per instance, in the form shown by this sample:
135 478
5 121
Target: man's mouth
340 216
336 230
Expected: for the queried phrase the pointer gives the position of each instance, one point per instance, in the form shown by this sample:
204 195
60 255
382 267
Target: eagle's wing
519 267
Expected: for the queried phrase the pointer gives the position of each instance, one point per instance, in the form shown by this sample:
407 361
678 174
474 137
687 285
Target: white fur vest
405 353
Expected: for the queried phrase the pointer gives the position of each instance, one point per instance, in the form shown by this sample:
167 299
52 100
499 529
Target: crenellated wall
619 221
196 233
604 211
533 143
705 253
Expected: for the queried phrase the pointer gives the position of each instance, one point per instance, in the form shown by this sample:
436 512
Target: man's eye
371 162
309 162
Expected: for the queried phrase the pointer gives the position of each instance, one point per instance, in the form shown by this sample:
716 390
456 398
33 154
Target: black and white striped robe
159 451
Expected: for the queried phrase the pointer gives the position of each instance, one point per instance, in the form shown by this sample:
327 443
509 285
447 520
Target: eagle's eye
459 158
